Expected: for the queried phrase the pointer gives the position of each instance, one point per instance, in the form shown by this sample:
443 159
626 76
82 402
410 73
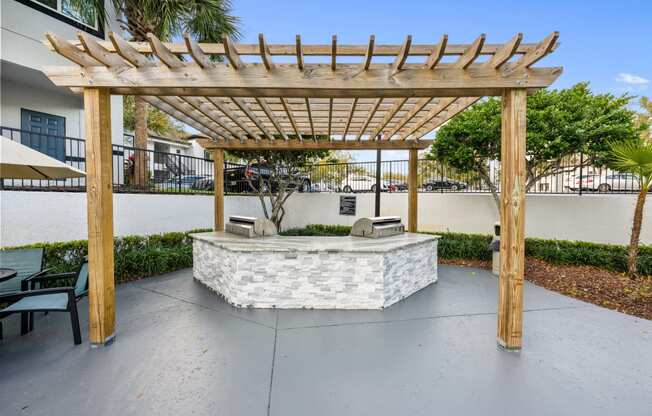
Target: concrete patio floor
180 350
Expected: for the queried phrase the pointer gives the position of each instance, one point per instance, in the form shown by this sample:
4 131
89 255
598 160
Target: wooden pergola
303 96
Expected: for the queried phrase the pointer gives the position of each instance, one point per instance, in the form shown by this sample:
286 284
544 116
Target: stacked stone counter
315 272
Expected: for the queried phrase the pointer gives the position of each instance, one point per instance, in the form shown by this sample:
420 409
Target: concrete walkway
180 350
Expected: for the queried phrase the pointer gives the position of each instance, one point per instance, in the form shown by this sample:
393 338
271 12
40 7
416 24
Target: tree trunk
636 233
140 142
492 187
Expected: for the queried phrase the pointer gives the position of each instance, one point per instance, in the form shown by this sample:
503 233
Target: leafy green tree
560 125
635 157
287 173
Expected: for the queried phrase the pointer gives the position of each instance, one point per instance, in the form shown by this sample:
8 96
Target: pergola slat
224 109
99 53
290 116
168 58
334 53
128 52
69 51
442 105
438 53
369 118
369 54
312 126
200 106
231 53
299 52
173 112
398 104
270 114
402 55
506 52
265 56
196 52
471 53
348 121
239 102
409 116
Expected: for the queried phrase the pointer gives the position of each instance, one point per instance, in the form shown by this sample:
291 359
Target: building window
83 18
161 151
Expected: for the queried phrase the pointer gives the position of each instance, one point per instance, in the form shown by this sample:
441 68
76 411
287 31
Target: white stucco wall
28 217
24 86
597 218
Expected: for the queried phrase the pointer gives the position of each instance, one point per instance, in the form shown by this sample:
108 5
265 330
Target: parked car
606 183
322 186
397 185
362 183
183 182
236 179
443 183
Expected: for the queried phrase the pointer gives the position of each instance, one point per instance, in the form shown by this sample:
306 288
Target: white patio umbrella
21 162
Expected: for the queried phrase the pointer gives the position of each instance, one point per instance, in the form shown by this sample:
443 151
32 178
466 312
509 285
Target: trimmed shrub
475 247
135 256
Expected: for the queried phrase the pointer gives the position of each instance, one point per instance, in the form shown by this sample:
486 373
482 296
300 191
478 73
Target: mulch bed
611 290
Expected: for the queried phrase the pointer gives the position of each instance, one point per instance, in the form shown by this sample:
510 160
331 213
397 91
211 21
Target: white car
362 183
607 182
321 186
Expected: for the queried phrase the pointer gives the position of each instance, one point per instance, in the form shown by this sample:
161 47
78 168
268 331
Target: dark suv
236 179
443 183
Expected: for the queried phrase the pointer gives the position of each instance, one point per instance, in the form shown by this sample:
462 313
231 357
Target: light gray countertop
279 243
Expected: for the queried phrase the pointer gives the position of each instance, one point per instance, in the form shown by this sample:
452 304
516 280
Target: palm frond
633 156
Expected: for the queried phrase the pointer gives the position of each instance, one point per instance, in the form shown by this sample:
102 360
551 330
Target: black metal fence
151 171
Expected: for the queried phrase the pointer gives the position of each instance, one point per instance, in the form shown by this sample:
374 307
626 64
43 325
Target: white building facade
31 103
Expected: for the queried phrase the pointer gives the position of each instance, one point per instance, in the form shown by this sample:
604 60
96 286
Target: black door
46 133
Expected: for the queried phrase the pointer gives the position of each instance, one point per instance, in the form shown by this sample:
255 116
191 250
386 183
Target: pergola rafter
241 104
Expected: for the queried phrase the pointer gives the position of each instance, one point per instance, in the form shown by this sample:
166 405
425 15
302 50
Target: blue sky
608 43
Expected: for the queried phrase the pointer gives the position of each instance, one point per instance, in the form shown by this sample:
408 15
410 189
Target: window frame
99 31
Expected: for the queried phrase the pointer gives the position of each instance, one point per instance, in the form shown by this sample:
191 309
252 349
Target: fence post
179 172
581 170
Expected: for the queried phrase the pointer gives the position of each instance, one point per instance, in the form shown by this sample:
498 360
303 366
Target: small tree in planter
634 156
287 174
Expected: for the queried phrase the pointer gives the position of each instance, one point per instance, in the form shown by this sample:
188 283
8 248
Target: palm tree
634 156
205 20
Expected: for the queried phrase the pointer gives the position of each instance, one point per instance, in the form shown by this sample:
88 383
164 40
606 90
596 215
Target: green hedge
135 256
475 247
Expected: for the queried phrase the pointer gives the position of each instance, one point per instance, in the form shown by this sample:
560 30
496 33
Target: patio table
7 273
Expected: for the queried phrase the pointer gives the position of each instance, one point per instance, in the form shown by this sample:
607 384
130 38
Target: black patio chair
59 299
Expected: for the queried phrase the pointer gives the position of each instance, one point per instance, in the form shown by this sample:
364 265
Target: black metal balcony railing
149 171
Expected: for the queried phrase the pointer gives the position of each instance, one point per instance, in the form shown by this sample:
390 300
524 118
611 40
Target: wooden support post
412 190
218 176
512 219
99 193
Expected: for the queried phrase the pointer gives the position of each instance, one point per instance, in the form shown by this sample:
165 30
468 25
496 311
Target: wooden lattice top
391 98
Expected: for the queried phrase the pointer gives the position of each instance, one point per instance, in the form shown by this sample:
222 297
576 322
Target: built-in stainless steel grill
377 227
250 226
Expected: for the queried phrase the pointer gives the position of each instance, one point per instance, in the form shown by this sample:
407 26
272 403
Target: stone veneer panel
314 272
